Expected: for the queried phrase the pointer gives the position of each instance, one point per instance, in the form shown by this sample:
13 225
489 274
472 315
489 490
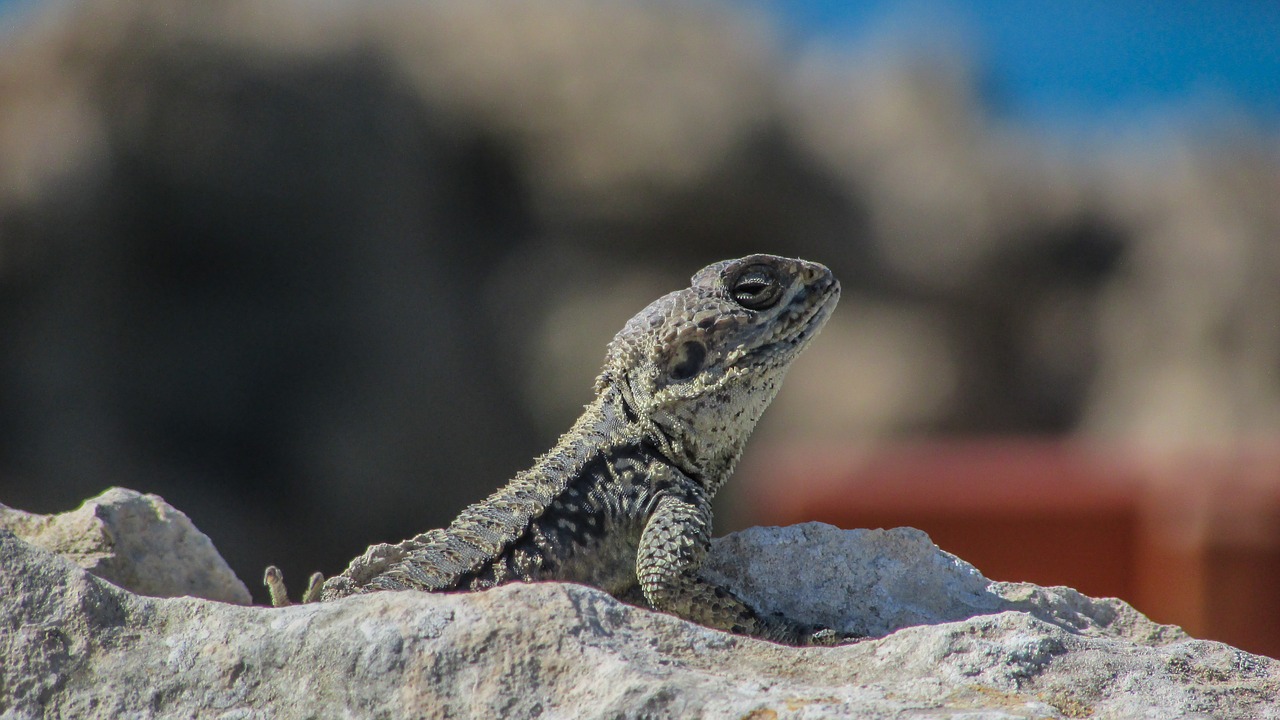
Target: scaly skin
623 500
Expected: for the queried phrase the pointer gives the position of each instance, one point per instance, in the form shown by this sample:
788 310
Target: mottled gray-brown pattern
623 501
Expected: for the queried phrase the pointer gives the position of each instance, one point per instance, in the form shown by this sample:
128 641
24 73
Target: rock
875 582
78 647
138 542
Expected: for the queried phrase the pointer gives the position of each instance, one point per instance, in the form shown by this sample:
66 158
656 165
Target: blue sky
1076 63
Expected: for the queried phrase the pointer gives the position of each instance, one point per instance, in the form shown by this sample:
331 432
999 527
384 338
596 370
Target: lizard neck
708 461
610 425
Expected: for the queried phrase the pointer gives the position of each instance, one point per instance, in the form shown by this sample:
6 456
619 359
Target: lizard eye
756 287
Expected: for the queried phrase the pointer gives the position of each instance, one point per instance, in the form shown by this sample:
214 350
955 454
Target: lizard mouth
803 317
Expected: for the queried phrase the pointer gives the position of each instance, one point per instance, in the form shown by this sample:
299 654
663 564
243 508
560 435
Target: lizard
622 502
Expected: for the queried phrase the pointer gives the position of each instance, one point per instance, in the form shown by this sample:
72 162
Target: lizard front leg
672 547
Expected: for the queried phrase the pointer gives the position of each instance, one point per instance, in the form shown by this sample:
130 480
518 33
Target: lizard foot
274 580
826 637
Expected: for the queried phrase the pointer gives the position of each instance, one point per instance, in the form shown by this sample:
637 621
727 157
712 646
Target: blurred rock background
321 274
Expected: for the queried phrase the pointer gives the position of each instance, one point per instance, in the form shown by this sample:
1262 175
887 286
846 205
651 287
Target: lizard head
702 364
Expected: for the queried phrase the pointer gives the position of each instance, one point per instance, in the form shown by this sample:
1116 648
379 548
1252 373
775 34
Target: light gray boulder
948 644
875 582
136 541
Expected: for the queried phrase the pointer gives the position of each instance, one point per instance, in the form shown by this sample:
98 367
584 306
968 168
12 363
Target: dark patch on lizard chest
590 531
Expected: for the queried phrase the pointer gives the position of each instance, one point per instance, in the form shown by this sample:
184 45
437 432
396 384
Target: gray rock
78 647
138 542
875 582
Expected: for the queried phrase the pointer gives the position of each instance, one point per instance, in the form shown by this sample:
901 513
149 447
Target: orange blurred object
1188 537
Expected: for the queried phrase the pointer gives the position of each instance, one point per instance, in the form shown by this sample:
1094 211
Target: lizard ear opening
689 359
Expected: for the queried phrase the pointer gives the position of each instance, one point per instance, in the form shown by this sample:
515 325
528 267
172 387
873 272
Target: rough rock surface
948 644
139 542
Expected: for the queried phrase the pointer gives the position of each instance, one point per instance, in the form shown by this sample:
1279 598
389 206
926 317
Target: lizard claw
314 587
274 580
